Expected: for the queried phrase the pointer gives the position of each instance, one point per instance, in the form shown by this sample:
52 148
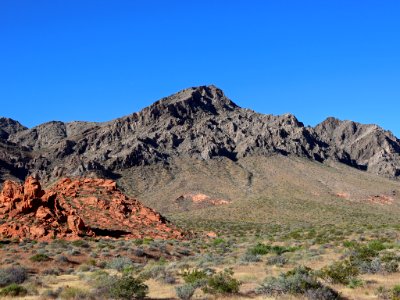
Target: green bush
339 272
396 292
81 243
128 287
376 246
218 241
279 250
39 257
355 283
195 277
260 249
299 281
13 290
116 287
222 283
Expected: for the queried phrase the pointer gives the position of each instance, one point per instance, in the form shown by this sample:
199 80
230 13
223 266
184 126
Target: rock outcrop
200 123
77 208
193 201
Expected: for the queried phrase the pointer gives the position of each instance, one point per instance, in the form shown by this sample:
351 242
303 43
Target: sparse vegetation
184 269
13 290
299 281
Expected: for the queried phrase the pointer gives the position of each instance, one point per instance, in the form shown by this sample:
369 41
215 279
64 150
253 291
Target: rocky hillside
77 208
197 123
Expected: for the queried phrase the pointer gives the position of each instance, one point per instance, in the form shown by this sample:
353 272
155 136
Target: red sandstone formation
76 208
198 201
381 199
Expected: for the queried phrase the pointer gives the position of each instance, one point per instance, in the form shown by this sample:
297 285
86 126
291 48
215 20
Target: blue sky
99 60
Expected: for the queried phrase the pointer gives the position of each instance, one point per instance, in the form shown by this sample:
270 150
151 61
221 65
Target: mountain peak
206 98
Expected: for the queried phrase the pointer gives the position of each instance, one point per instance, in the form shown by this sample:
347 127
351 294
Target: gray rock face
199 123
367 147
9 126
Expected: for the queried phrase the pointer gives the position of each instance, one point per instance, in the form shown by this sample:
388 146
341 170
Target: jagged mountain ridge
199 122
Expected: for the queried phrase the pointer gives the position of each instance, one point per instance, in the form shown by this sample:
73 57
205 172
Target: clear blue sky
98 60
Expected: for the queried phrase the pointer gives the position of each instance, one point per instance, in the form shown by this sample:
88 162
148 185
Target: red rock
212 234
72 209
76 225
32 188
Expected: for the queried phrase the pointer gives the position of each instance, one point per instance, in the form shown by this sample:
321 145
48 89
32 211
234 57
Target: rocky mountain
71 209
198 123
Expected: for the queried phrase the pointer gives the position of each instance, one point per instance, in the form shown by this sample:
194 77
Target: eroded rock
75 208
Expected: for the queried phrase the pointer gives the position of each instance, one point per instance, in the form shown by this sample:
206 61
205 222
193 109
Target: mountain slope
200 123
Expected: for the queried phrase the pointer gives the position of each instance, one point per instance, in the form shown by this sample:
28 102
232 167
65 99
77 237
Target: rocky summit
199 123
77 208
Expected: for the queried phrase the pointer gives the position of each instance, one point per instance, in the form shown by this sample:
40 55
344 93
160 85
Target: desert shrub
52 271
147 240
85 268
300 280
349 244
195 277
277 260
185 292
389 294
120 263
218 241
115 287
74 252
250 257
51 294
12 275
354 283
184 251
128 287
339 272
74 293
39 257
158 272
80 243
61 259
59 244
396 292
323 293
387 263
154 272
13 290
391 267
169 278
222 283
371 267
260 249
139 252
376 246
279 250
362 253
210 259
378 265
